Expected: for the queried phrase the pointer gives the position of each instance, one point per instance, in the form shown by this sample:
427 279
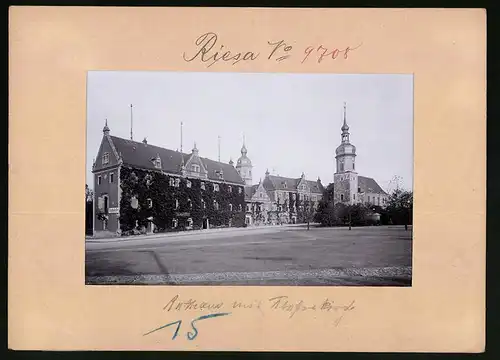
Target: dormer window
105 158
188 183
177 182
239 190
195 168
216 187
284 185
171 182
157 162
202 185
220 174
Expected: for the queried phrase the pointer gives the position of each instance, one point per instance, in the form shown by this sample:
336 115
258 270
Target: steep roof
315 186
138 154
369 185
272 182
250 191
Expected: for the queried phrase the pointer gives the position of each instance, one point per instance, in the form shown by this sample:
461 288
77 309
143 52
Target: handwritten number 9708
193 333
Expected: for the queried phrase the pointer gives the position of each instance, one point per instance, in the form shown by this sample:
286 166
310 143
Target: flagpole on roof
218 146
131 123
181 135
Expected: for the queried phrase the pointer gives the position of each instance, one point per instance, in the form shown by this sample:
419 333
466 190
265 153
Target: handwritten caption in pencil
282 304
210 51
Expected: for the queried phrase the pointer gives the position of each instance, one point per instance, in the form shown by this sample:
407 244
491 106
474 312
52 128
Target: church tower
244 166
345 178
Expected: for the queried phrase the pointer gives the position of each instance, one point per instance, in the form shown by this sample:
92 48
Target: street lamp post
349 218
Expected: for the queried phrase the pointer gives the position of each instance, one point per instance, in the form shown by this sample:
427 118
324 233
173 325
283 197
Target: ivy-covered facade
160 202
141 188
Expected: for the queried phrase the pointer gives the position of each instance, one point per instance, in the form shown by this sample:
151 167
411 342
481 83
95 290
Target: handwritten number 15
191 335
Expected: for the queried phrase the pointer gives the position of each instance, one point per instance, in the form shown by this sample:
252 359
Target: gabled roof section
315 187
272 182
138 154
249 191
369 185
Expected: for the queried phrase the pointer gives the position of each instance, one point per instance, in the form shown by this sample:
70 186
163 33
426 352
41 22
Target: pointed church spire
105 129
345 127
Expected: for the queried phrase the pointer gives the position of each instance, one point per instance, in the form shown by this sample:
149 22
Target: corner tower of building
345 178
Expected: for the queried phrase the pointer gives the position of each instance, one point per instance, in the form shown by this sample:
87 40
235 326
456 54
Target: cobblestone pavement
373 256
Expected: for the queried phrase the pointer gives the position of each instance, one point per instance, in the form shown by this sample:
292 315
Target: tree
399 208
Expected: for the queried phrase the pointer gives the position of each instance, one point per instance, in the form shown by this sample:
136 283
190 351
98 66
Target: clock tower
345 178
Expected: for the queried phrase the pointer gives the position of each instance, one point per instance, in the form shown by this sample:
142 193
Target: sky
291 122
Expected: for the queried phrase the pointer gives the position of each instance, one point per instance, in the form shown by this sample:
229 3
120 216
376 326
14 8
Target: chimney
145 141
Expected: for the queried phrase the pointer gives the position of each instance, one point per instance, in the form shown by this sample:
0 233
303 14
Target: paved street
371 256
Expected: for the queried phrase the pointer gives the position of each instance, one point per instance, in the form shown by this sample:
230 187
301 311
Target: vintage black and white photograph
280 179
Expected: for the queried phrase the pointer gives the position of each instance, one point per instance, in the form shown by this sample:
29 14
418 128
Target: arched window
230 207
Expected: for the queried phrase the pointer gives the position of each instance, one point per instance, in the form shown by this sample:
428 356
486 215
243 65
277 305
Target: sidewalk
191 233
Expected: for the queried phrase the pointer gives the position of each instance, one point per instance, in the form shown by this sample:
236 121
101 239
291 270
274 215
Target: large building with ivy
349 187
142 187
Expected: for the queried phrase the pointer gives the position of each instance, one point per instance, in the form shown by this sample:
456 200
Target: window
150 203
354 196
250 172
216 187
221 174
239 207
203 205
248 207
174 223
341 197
188 183
216 205
177 182
190 204
359 189
99 180
353 165
176 204
261 195
105 158
284 185
341 165
106 204
230 207
239 190
195 168
111 177
157 163
171 181
368 198
202 185
229 188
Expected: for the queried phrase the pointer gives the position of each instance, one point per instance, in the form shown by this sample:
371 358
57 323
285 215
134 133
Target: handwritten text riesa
209 51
